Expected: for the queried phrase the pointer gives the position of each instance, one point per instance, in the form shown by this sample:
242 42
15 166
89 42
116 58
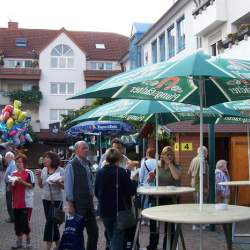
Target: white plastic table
157 192
236 185
191 214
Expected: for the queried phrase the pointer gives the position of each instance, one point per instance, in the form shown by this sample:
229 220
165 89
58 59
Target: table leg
178 233
228 234
137 231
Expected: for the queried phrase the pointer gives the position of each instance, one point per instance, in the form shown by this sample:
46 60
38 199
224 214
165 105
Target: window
171 42
21 42
62 57
56 114
154 51
15 63
162 47
108 66
100 66
214 49
180 34
62 88
198 42
100 46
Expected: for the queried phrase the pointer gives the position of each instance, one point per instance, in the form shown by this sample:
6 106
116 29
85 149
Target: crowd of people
113 185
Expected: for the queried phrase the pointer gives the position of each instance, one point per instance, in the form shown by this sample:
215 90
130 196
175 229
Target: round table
164 190
236 185
161 191
192 214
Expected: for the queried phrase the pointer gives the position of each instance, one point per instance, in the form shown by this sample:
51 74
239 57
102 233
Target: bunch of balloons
14 125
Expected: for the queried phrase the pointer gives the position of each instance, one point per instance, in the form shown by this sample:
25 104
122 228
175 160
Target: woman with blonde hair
169 175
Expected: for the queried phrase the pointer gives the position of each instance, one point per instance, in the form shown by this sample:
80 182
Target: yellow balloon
10 123
21 116
17 109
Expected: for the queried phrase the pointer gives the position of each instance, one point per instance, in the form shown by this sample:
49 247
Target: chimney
13 25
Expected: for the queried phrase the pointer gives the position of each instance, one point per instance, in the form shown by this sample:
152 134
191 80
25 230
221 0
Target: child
22 184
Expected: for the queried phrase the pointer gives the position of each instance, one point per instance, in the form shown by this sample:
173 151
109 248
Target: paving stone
211 240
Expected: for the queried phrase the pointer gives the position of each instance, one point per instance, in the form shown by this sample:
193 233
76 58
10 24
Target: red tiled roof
115 44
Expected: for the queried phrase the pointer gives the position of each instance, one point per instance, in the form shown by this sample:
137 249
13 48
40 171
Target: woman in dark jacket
106 192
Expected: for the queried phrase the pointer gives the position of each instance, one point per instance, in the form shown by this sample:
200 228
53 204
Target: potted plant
244 31
1 58
220 45
230 40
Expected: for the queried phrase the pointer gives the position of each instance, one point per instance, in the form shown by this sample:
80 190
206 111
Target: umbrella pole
248 150
100 141
156 149
201 154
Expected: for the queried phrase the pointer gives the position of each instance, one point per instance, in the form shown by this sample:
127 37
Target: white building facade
193 24
62 63
58 63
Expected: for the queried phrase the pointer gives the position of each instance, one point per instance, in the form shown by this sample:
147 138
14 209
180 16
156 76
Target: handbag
126 218
57 214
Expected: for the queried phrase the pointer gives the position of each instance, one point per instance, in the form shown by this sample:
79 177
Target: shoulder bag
126 218
57 214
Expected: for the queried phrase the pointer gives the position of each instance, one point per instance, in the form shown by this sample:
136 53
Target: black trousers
21 221
91 228
8 196
51 229
154 235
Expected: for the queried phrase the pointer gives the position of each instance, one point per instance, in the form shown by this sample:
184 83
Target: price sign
187 146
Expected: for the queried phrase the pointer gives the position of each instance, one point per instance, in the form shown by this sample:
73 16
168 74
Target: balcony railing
201 5
20 73
99 75
209 17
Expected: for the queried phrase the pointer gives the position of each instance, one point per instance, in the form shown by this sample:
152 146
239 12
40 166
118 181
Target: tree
66 122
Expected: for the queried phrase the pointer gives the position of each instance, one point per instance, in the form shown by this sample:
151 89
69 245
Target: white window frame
62 56
93 65
58 113
15 61
58 88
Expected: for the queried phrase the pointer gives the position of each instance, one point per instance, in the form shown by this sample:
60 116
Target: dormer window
21 42
100 46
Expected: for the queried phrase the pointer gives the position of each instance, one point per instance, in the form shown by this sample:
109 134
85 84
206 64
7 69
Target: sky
82 15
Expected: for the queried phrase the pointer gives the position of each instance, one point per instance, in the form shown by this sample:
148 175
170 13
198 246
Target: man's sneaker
18 245
28 244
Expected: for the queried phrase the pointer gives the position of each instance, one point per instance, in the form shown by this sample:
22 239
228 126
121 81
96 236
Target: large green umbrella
195 79
153 111
145 110
222 80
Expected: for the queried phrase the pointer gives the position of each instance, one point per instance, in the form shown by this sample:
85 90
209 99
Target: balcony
93 76
20 73
208 16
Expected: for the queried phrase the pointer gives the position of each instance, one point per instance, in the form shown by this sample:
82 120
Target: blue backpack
72 238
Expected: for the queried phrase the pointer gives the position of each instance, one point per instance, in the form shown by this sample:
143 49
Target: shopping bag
72 238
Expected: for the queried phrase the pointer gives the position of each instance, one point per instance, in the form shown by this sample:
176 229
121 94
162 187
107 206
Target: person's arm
68 186
39 178
176 173
142 173
97 184
60 183
127 184
25 183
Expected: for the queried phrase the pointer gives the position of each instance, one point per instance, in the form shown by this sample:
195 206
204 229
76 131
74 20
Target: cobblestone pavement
211 240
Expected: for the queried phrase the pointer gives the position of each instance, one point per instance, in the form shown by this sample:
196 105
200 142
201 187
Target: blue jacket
105 190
